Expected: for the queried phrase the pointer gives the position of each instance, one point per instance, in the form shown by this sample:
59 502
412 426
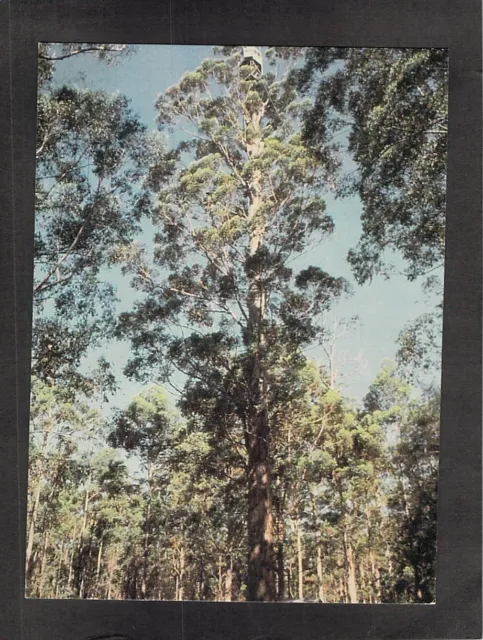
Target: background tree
147 428
91 152
411 484
413 504
65 433
392 104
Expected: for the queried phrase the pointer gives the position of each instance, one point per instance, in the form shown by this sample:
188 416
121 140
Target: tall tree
239 201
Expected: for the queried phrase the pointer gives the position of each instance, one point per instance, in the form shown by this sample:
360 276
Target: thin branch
76 52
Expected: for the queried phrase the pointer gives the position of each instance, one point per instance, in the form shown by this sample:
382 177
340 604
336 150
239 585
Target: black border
394 23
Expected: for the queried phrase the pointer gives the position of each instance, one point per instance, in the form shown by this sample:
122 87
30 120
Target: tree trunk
181 573
280 573
98 568
229 582
320 575
146 536
220 579
201 580
31 534
38 488
289 579
261 558
350 570
362 573
58 571
109 585
342 590
71 569
42 566
388 555
261 565
376 578
300 559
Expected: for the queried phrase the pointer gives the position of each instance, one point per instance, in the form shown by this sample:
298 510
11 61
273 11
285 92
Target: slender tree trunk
350 569
43 562
71 569
81 538
181 572
109 584
38 488
66 560
146 536
58 571
320 575
363 585
376 578
389 562
229 582
280 572
342 590
220 579
201 580
203 584
289 578
300 559
31 534
98 568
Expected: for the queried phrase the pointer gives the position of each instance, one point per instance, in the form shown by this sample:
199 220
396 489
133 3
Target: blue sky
383 306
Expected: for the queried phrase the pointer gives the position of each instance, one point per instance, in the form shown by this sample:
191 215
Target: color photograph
237 323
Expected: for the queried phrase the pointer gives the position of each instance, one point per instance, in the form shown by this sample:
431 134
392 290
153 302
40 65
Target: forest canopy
206 251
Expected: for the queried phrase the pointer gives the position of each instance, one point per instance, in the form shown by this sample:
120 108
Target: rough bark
261 565
261 557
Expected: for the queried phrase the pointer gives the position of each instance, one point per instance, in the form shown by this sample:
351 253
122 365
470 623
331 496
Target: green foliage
413 503
207 217
394 105
157 502
420 341
91 157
